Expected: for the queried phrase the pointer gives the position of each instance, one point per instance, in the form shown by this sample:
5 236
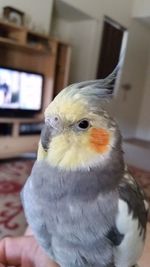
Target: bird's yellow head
78 132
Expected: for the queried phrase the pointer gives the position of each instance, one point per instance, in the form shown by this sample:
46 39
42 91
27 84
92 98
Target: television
20 92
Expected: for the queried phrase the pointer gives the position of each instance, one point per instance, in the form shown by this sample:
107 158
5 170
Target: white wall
39 11
131 109
126 108
141 8
60 28
143 130
82 36
119 10
85 35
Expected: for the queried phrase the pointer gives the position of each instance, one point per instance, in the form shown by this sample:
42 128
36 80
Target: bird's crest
100 89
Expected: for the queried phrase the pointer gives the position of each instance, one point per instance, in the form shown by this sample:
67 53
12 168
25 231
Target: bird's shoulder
132 195
132 209
128 233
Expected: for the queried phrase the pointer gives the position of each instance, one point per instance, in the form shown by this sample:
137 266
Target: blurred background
46 45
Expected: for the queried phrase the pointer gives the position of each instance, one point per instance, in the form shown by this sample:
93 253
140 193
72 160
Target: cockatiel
81 203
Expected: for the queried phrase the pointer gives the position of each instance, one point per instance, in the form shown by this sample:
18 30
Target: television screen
20 90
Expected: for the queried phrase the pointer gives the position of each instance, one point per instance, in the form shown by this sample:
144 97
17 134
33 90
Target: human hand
24 252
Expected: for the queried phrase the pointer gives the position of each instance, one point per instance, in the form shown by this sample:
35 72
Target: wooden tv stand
24 49
13 142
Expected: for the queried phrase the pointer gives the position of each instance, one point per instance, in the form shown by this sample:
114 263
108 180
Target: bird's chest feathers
71 196
73 218
69 203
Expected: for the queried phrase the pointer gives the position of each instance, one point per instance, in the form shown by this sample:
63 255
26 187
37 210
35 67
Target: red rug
13 175
143 179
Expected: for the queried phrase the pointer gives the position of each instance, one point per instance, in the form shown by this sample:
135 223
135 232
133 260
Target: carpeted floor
12 177
143 179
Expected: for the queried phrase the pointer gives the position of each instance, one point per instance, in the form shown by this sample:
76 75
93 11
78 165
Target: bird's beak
55 122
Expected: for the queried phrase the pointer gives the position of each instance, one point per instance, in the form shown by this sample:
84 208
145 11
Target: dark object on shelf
30 128
5 129
40 41
14 15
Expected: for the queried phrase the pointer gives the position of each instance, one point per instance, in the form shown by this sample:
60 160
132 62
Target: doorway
111 46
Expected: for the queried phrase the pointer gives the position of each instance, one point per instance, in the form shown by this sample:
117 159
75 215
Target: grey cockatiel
82 205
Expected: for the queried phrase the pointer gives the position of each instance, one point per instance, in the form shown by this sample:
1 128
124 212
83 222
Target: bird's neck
97 180
80 184
101 178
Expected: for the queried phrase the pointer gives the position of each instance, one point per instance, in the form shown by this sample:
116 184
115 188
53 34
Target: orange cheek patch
99 139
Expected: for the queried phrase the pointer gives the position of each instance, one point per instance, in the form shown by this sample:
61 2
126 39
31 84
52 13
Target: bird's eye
83 125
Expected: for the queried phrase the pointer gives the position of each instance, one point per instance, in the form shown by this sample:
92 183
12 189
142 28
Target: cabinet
23 49
12 142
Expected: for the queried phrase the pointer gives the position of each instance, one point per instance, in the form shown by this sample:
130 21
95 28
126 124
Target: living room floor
137 153
145 259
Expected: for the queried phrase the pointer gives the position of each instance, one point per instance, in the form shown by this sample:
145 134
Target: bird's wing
128 235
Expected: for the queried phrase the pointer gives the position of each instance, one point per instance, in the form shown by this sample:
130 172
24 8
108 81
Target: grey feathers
130 192
104 85
71 219
73 213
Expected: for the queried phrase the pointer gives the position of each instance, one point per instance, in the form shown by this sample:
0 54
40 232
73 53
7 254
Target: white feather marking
130 249
30 184
146 204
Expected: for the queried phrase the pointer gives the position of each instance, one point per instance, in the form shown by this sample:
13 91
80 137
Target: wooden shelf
11 26
8 42
11 147
21 120
22 38
42 36
12 31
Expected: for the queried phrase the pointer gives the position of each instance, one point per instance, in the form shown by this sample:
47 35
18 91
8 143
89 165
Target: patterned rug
143 179
13 175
